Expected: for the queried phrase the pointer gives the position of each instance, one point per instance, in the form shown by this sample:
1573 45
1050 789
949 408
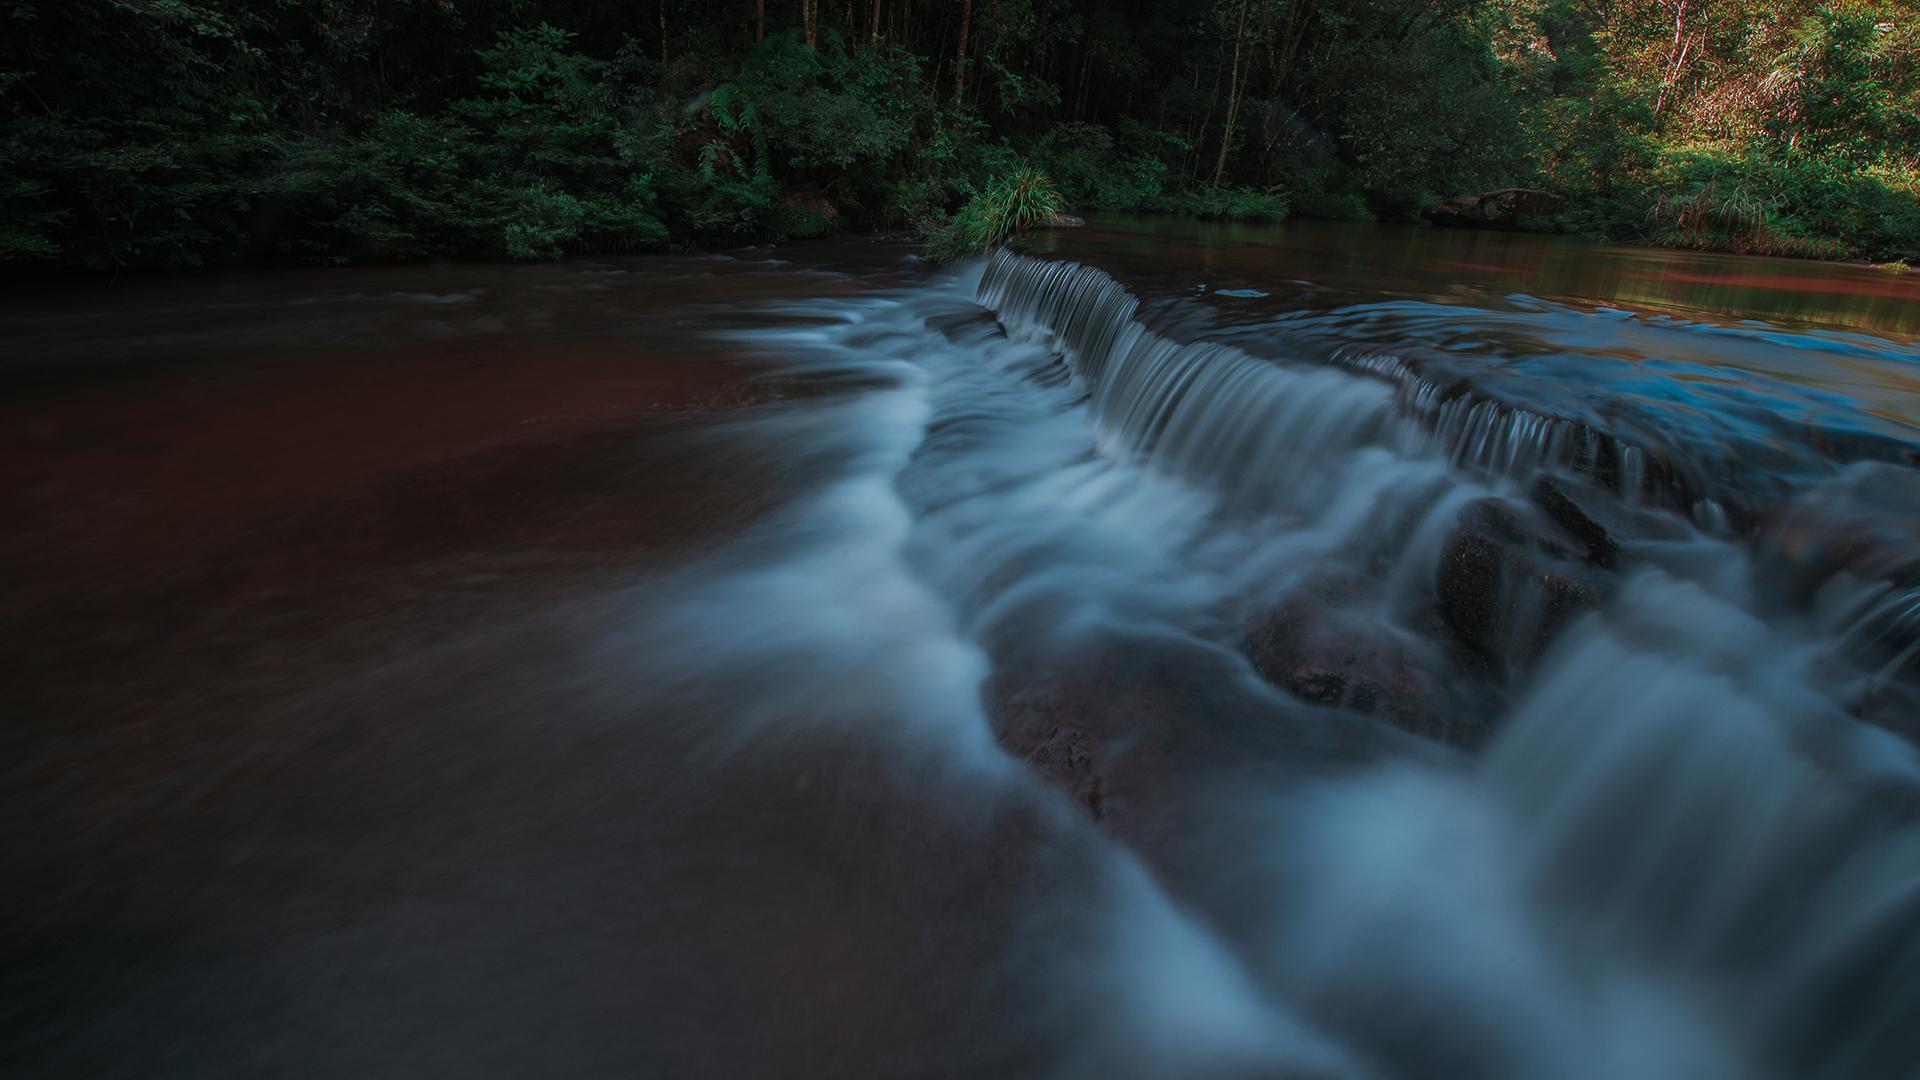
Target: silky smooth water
893 701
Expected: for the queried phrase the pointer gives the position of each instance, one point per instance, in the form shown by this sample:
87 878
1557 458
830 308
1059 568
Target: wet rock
1100 725
1598 521
1051 725
1508 585
1064 221
1501 209
1893 704
1134 725
1582 518
967 326
1328 654
1864 523
1849 552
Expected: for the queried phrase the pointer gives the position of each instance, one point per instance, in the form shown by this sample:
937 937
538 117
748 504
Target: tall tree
960 55
1234 86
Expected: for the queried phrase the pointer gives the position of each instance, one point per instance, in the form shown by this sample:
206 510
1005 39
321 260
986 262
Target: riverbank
25 281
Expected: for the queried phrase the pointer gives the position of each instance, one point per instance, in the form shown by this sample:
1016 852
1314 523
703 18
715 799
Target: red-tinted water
733 667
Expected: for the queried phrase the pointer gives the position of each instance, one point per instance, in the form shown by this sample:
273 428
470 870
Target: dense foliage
156 133
1010 204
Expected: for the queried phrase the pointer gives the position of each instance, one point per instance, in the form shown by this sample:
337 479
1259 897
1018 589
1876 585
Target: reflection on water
1745 378
832 665
1455 264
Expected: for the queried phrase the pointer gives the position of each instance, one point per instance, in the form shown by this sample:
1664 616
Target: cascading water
1675 856
1093 319
1022 678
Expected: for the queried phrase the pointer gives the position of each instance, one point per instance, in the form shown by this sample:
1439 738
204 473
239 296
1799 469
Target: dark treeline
159 133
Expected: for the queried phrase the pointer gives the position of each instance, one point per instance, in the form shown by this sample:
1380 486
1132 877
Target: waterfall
1208 411
1155 396
1677 856
983 672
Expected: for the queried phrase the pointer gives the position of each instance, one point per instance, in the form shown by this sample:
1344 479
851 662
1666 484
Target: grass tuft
1009 205
1731 218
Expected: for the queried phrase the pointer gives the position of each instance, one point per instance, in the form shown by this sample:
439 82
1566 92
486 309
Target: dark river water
1173 650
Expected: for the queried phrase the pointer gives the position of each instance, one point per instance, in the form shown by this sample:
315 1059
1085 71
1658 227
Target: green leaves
823 110
1227 204
1010 204
171 132
1802 207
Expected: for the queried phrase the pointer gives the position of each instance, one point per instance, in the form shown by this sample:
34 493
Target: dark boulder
1893 704
1056 726
1324 650
1508 584
1865 522
1851 549
1581 518
1598 521
1100 724
967 326
1132 725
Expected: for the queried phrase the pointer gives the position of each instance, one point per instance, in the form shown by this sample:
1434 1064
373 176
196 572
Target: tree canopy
161 133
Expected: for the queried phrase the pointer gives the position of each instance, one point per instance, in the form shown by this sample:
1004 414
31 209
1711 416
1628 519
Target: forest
156 134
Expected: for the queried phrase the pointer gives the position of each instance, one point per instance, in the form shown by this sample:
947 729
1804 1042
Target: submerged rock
1115 727
1850 551
1892 704
1864 522
1324 648
1582 518
1056 729
1604 526
1508 586
967 327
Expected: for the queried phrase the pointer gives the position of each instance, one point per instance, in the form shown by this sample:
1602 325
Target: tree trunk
1298 14
1086 68
760 25
1199 153
663 34
875 37
1233 97
1675 60
960 54
809 20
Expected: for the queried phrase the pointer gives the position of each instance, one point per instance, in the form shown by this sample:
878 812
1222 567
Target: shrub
1097 171
1732 218
1010 204
1079 158
1226 204
1792 205
1330 206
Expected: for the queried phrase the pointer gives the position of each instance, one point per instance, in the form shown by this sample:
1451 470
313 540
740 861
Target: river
1168 650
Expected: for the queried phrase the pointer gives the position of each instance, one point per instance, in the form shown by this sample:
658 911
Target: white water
1678 857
